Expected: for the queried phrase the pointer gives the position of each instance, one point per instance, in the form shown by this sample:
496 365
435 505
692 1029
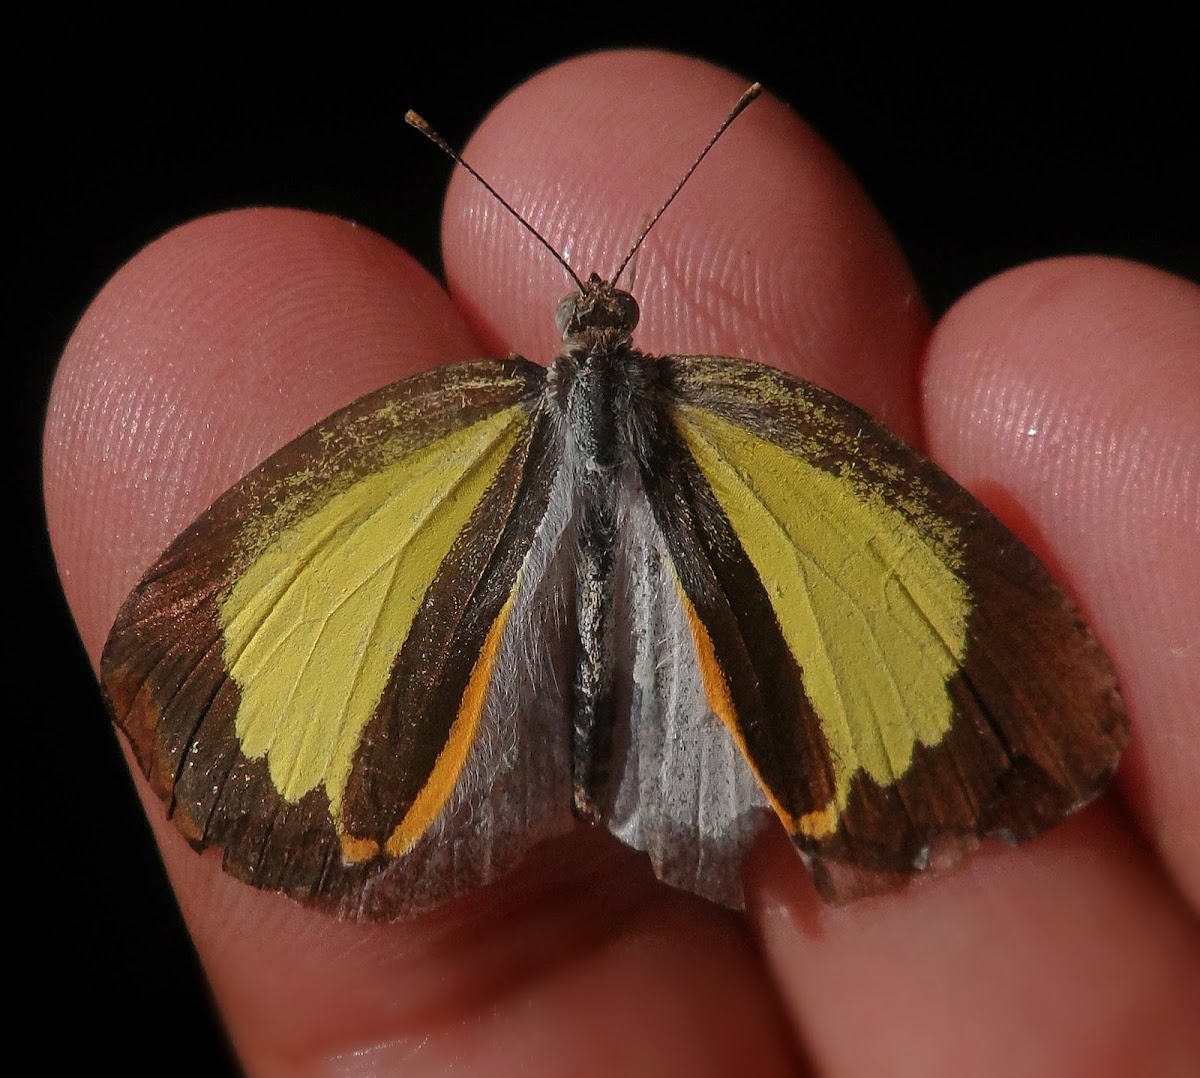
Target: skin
1076 954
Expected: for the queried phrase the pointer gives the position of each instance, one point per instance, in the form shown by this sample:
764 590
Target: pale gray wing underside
515 786
683 791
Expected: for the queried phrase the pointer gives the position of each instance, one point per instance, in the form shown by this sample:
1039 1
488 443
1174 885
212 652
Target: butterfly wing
899 673
317 677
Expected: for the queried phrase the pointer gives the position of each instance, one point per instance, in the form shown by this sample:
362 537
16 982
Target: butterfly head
597 308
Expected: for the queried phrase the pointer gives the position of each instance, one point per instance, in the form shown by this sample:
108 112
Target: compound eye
565 312
629 310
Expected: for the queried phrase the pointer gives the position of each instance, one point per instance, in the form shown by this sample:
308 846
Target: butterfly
677 597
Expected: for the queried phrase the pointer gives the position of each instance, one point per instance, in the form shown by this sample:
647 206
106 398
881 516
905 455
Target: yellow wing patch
874 614
313 626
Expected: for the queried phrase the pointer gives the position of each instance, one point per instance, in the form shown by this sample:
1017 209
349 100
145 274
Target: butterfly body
676 596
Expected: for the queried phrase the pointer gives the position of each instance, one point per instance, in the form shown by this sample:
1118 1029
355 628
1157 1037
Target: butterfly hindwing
304 673
902 675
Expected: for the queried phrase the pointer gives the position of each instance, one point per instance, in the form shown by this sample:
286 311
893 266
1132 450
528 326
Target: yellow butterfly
676 596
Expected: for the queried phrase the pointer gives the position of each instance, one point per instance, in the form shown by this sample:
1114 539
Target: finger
771 251
796 221
766 254
211 349
1054 391
1091 405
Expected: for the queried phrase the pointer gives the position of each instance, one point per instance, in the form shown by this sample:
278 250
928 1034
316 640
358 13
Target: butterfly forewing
922 679
305 672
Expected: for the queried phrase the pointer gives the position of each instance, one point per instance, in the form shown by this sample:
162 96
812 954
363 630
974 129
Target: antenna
750 94
413 120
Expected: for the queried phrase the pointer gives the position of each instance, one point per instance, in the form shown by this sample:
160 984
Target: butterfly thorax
599 374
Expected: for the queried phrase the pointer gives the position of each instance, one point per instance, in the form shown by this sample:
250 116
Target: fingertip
771 252
1060 339
205 352
1067 388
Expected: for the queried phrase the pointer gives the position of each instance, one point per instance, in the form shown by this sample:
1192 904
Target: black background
984 143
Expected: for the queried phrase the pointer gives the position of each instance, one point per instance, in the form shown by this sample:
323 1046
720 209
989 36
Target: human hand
1074 954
